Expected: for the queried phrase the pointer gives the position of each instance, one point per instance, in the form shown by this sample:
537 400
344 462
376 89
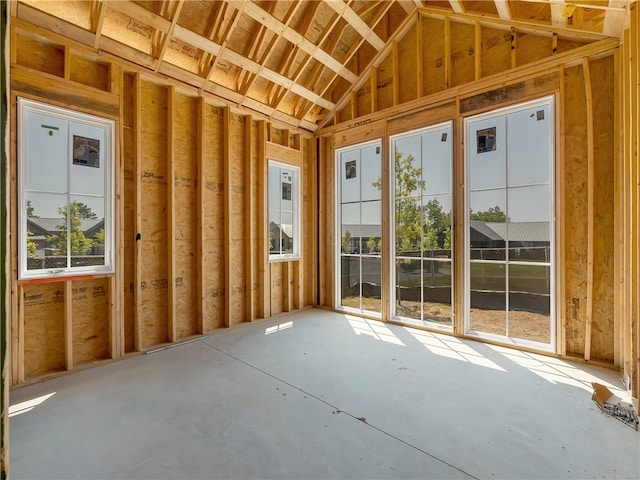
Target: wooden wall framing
191 180
465 69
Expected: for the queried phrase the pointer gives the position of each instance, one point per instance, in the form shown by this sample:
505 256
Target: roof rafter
294 37
98 11
504 12
346 12
169 34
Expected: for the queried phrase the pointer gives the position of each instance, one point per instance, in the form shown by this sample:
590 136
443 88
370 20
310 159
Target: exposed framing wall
468 68
191 235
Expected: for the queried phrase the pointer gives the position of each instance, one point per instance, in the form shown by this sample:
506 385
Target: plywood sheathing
90 305
603 332
185 233
575 208
43 308
153 234
213 219
129 229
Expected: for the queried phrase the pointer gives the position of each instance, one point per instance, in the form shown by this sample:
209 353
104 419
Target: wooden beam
407 24
226 158
395 73
590 208
227 35
116 283
250 246
614 20
477 50
259 15
514 51
537 67
419 57
374 89
504 12
456 6
68 325
167 36
447 52
97 20
557 19
344 11
263 220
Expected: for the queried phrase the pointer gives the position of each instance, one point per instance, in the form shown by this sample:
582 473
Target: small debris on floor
612 406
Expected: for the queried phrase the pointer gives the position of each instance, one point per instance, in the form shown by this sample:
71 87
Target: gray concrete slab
318 394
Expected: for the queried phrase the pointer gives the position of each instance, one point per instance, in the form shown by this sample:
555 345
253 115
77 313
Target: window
359 217
422 224
510 231
284 239
65 161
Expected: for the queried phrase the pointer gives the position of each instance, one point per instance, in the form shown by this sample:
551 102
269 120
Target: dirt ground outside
524 325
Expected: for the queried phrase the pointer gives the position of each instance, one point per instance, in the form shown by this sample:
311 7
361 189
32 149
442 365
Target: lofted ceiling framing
297 62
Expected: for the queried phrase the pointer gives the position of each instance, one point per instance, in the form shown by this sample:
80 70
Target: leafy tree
346 242
494 214
30 210
418 226
31 245
84 211
80 245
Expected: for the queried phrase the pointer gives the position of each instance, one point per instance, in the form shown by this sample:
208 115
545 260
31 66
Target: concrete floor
322 395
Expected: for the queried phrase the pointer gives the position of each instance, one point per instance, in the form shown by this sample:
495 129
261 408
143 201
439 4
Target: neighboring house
43 228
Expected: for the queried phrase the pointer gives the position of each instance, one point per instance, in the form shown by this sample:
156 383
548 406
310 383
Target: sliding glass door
510 235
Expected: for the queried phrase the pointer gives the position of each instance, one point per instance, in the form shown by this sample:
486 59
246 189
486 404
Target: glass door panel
360 228
510 230
422 227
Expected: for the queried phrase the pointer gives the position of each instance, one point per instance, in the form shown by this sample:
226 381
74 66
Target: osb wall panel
153 234
129 210
43 310
530 48
575 208
462 53
407 59
277 286
238 209
185 235
213 222
40 56
90 324
433 54
89 73
496 51
384 85
602 338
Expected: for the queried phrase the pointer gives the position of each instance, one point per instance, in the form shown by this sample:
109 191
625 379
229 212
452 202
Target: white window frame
392 199
108 150
295 199
337 295
554 320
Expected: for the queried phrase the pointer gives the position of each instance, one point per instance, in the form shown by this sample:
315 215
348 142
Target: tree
30 210
31 245
425 227
84 211
494 214
80 245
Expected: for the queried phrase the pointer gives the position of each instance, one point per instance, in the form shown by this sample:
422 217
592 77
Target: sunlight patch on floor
278 328
374 329
28 405
452 347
